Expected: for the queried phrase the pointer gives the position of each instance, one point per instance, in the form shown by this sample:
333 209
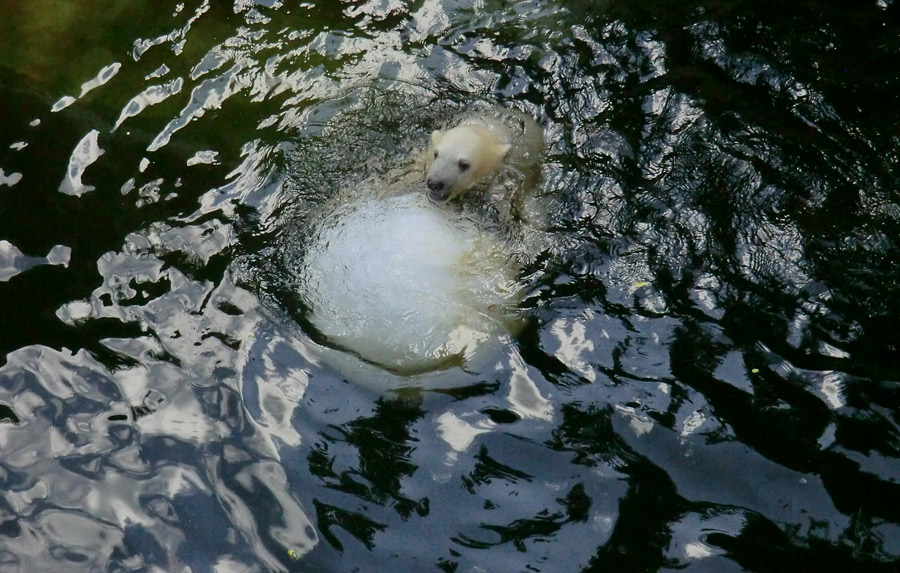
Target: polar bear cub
460 157
410 287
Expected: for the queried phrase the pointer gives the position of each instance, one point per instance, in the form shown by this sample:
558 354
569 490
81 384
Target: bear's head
460 157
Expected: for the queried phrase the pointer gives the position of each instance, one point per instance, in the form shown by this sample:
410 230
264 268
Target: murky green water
704 372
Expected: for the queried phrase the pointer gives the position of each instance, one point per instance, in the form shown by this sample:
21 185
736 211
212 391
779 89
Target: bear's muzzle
437 190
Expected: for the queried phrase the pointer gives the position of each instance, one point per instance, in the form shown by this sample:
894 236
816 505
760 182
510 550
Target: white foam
407 284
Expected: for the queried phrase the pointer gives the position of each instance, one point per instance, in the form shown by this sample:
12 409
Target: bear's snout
437 189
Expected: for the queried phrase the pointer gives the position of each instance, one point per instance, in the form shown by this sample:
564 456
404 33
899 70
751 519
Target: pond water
706 375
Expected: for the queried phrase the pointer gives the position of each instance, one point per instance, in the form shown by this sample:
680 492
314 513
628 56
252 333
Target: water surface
707 376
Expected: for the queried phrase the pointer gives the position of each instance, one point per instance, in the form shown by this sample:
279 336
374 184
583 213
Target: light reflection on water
707 342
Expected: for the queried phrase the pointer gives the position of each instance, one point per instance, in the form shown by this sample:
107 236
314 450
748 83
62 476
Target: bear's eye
464 165
435 153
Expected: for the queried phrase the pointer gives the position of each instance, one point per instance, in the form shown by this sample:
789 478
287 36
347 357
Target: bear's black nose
437 190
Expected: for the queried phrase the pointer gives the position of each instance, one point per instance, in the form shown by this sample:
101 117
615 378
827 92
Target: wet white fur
462 156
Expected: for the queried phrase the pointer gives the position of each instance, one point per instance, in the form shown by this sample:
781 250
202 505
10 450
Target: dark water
712 325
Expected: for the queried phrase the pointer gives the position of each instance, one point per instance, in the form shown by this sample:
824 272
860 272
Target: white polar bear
460 157
401 282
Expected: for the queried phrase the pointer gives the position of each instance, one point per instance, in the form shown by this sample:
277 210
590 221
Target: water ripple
705 372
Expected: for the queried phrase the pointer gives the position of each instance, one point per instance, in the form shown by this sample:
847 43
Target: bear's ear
436 136
502 149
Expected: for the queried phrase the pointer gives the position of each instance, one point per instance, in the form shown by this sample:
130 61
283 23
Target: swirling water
708 378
